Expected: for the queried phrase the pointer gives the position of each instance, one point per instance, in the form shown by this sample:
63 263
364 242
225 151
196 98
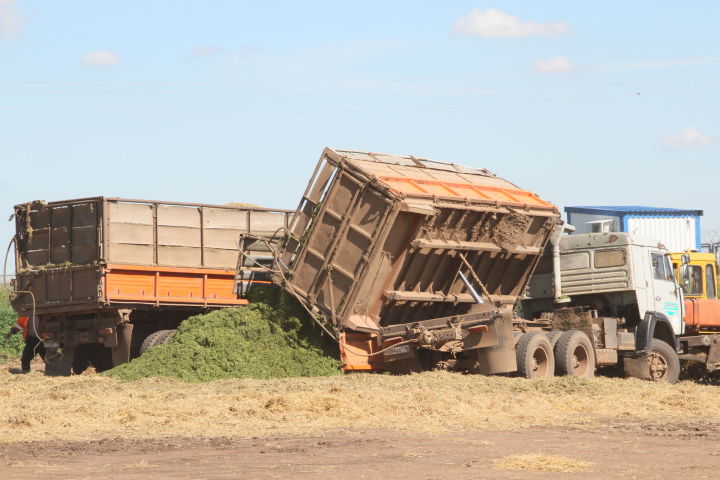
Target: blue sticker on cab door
671 308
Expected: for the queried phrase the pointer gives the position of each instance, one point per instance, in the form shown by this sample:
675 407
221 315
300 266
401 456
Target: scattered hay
94 407
271 338
242 204
540 462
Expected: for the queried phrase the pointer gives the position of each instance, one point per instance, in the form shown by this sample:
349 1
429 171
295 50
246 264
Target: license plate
399 350
51 344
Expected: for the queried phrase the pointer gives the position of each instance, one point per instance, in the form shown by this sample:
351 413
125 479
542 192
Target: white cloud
205 51
493 23
101 58
688 137
555 64
11 20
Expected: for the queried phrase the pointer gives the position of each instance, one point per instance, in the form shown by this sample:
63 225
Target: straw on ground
89 407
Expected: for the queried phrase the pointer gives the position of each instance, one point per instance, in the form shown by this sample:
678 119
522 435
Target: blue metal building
677 229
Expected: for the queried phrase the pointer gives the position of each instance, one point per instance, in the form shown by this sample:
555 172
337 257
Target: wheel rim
659 367
539 363
580 360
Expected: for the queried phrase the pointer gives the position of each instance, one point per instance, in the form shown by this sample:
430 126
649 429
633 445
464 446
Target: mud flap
58 363
501 357
638 367
121 353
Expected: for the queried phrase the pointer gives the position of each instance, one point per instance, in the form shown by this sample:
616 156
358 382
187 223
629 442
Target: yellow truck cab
700 277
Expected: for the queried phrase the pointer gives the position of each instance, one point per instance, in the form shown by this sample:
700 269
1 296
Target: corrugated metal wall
676 233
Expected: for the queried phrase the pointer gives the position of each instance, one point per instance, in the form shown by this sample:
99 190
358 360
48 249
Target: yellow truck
699 279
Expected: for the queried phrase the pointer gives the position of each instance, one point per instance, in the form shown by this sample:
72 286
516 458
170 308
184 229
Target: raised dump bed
421 260
92 270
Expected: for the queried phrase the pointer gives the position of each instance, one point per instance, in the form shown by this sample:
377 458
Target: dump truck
414 264
106 278
410 263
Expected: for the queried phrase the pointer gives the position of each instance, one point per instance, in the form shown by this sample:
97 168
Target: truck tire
534 356
664 363
156 338
575 355
554 336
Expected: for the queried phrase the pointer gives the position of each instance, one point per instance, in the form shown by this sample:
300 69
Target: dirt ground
429 426
373 454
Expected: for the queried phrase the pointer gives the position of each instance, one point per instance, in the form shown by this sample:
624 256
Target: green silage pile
9 347
271 338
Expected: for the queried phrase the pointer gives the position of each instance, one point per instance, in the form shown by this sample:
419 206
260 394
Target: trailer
410 263
104 278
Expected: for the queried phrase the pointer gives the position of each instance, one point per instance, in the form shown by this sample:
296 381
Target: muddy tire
534 356
554 336
664 363
574 355
156 338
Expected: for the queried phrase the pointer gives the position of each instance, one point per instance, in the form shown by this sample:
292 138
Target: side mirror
685 258
684 277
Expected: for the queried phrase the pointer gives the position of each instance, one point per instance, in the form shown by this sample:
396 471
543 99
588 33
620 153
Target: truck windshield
693 280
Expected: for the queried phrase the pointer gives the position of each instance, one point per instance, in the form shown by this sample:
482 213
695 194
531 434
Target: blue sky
602 103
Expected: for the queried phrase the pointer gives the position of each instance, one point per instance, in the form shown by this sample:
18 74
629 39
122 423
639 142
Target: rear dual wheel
574 355
534 355
545 354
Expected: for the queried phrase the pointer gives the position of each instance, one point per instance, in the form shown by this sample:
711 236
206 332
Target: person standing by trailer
33 345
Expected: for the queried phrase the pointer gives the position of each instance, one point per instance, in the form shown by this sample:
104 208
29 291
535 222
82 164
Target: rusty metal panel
381 240
72 287
55 234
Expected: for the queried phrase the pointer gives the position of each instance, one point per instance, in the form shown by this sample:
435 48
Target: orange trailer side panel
163 285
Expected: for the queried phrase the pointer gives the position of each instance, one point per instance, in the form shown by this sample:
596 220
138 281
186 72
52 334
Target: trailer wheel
156 338
664 363
534 356
574 355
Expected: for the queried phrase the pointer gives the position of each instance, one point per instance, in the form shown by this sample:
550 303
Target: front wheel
663 363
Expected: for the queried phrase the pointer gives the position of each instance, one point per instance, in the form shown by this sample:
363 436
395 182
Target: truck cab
698 276
616 275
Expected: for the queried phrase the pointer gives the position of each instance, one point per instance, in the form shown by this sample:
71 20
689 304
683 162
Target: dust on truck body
618 294
107 272
414 263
